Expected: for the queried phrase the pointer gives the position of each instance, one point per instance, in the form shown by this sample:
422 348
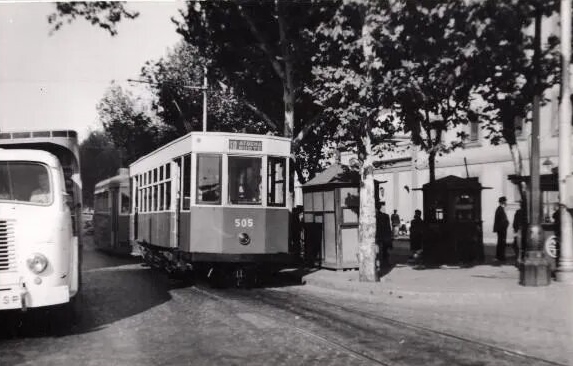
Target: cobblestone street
129 314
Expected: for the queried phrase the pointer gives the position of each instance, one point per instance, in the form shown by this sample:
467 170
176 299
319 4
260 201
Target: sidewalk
484 302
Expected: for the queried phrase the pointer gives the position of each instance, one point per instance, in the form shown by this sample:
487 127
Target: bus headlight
244 239
37 263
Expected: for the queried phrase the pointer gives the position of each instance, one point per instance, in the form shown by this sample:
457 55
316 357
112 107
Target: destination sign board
245 145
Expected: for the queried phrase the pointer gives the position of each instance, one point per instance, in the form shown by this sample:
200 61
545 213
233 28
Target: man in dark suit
500 225
383 234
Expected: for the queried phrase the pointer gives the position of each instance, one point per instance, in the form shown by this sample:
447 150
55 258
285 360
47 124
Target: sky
55 81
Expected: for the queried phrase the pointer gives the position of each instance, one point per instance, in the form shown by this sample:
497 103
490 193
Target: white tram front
213 200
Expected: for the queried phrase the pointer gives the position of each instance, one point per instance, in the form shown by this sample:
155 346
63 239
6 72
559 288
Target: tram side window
276 181
160 197
244 180
124 203
209 179
186 184
168 195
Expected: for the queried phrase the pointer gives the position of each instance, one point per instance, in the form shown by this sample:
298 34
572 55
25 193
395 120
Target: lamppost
535 269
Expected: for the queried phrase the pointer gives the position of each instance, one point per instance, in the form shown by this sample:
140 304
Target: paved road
132 315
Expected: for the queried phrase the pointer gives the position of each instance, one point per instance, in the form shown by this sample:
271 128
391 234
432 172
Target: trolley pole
565 265
535 270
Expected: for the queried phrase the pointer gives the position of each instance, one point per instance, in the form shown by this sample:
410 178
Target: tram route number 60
244 223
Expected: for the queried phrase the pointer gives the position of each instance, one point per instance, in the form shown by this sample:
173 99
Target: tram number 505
244 223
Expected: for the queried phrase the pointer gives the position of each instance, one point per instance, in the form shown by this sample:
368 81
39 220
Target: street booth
331 205
452 221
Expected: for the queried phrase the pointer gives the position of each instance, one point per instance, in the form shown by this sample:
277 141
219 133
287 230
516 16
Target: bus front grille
7 246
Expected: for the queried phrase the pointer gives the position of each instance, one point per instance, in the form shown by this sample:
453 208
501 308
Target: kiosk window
244 180
209 179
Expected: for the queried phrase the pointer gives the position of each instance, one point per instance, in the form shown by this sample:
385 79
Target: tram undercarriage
242 271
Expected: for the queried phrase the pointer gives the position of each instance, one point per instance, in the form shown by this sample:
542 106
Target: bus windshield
25 182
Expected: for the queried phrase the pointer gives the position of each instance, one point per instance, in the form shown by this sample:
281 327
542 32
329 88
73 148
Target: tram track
305 332
416 327
328 322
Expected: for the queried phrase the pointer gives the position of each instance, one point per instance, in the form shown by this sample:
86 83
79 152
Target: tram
111 214
213 202
40 219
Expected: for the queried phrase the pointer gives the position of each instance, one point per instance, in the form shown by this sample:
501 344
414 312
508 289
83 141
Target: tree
513 68
350 83
434 83
100 159
259 49
176 81
509 76
130 129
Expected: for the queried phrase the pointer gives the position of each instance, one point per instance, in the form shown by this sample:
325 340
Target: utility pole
204 98
535 270
565 265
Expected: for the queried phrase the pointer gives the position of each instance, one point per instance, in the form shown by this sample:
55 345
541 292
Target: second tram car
213 202
111 213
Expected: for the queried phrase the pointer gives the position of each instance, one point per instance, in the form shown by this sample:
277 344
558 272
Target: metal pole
535 270
204 98
565 265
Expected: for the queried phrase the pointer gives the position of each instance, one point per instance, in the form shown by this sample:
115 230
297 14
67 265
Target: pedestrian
395 223
500 225
383 234
416 233
517 235
557 230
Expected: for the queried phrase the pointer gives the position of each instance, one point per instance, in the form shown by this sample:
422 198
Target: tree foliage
505 63
104 14
176 81
129 127
433 80
100 159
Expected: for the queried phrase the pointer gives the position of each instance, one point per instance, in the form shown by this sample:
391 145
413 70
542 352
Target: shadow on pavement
108 295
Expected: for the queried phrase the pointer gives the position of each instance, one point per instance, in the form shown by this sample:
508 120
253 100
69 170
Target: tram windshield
25 182
245 180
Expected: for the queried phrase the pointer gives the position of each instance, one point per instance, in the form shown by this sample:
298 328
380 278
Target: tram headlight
37 263
244 239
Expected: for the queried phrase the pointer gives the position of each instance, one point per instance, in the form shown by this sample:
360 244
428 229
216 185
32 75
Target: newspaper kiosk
452 218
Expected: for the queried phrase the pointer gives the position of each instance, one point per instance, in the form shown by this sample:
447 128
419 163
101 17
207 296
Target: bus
40 219
214 203
111 214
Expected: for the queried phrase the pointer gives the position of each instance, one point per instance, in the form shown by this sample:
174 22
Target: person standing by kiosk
383 234
500 225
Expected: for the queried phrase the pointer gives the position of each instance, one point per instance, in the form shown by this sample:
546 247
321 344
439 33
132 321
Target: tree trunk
367 248
432 165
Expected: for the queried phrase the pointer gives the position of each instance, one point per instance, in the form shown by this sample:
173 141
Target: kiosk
331 204
452 221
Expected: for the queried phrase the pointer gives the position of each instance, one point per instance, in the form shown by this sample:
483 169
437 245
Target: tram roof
216 143
121 179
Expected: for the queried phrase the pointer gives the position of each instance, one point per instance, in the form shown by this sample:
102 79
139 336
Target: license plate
10 300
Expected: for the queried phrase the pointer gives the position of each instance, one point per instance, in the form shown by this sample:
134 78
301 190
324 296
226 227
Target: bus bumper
20 297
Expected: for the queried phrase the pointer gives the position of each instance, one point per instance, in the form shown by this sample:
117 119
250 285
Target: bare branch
262 43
